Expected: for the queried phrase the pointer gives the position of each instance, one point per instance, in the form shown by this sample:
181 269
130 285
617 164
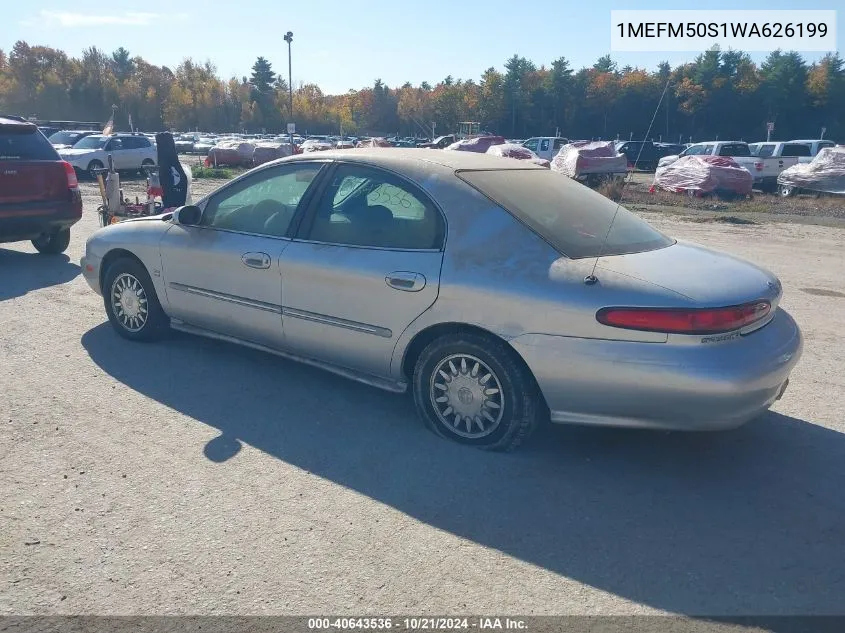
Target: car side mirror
188 215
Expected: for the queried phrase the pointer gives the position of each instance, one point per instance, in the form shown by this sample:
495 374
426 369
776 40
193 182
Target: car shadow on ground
21 273
746 522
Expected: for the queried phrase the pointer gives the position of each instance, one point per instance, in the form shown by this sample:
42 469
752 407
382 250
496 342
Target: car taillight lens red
72 181
683 321
758 166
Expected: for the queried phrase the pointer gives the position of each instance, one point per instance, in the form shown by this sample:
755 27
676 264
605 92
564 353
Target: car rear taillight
72 181
758 166
685 321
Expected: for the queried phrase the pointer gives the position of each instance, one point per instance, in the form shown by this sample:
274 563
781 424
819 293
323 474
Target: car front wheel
52 243
131 301
93 166
471 389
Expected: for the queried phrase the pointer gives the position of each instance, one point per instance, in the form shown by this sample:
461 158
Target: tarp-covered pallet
590 160
705 175
825 174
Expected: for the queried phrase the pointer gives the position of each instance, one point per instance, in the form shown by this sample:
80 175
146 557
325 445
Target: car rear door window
263 203
365 206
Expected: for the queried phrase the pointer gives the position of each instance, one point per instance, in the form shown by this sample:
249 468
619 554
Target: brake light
685 321
70 172
758 166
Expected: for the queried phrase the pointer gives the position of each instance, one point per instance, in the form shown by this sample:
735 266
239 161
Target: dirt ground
192 476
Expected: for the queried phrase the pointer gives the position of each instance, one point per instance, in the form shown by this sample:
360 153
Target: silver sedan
499 293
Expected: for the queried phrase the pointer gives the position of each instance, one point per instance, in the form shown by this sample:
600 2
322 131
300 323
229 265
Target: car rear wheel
52 243
131 301
471 389
786 191
93 166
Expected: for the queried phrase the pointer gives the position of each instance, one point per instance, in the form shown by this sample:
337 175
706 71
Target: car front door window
263 203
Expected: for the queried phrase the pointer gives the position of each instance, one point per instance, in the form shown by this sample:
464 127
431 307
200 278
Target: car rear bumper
28 221
660 385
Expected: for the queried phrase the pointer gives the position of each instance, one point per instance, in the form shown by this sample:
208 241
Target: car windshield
66 138
571 217
92 142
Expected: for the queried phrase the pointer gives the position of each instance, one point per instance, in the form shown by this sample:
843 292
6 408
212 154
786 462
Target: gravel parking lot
196 477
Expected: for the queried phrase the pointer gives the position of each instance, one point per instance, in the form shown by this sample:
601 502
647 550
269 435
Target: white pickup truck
815 145
764 171
782 150
545 146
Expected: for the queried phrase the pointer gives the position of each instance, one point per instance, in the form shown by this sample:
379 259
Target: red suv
39 194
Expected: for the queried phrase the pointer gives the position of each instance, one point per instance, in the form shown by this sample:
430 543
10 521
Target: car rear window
573 218
735 149
795 149
25 142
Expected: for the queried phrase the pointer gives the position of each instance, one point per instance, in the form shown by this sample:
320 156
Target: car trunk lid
708 278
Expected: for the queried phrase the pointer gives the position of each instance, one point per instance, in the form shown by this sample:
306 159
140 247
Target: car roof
15 122
395 157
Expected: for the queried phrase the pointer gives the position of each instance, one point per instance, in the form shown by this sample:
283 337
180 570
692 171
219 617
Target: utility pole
289 39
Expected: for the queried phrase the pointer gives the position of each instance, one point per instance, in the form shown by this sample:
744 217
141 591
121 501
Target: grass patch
212 172
612 189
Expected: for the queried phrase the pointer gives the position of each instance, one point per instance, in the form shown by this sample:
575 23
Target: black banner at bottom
326 624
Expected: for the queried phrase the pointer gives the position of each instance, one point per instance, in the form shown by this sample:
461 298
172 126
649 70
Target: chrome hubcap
129 302
467 396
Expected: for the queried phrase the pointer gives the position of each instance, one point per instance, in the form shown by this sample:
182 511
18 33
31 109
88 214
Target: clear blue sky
343 45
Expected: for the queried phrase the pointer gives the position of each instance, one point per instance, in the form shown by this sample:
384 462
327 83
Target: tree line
721 94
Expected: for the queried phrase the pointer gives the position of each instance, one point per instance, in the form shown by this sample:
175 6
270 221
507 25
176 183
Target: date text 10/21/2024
418 624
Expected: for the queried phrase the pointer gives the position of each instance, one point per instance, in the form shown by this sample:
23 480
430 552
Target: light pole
289 39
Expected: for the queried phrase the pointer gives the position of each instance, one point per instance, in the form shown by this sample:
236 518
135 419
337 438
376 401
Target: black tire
52 243
147 163
520 401
92 166
155 322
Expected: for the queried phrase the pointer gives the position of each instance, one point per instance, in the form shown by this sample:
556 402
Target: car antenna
591 278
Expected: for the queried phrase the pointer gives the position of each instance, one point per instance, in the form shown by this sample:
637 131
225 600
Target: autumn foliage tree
719 94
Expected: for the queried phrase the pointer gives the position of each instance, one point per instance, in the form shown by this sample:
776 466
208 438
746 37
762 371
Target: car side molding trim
343 323
221 296
287 312
394 386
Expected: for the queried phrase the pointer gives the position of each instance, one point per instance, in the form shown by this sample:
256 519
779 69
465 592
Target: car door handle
256 260
409 282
